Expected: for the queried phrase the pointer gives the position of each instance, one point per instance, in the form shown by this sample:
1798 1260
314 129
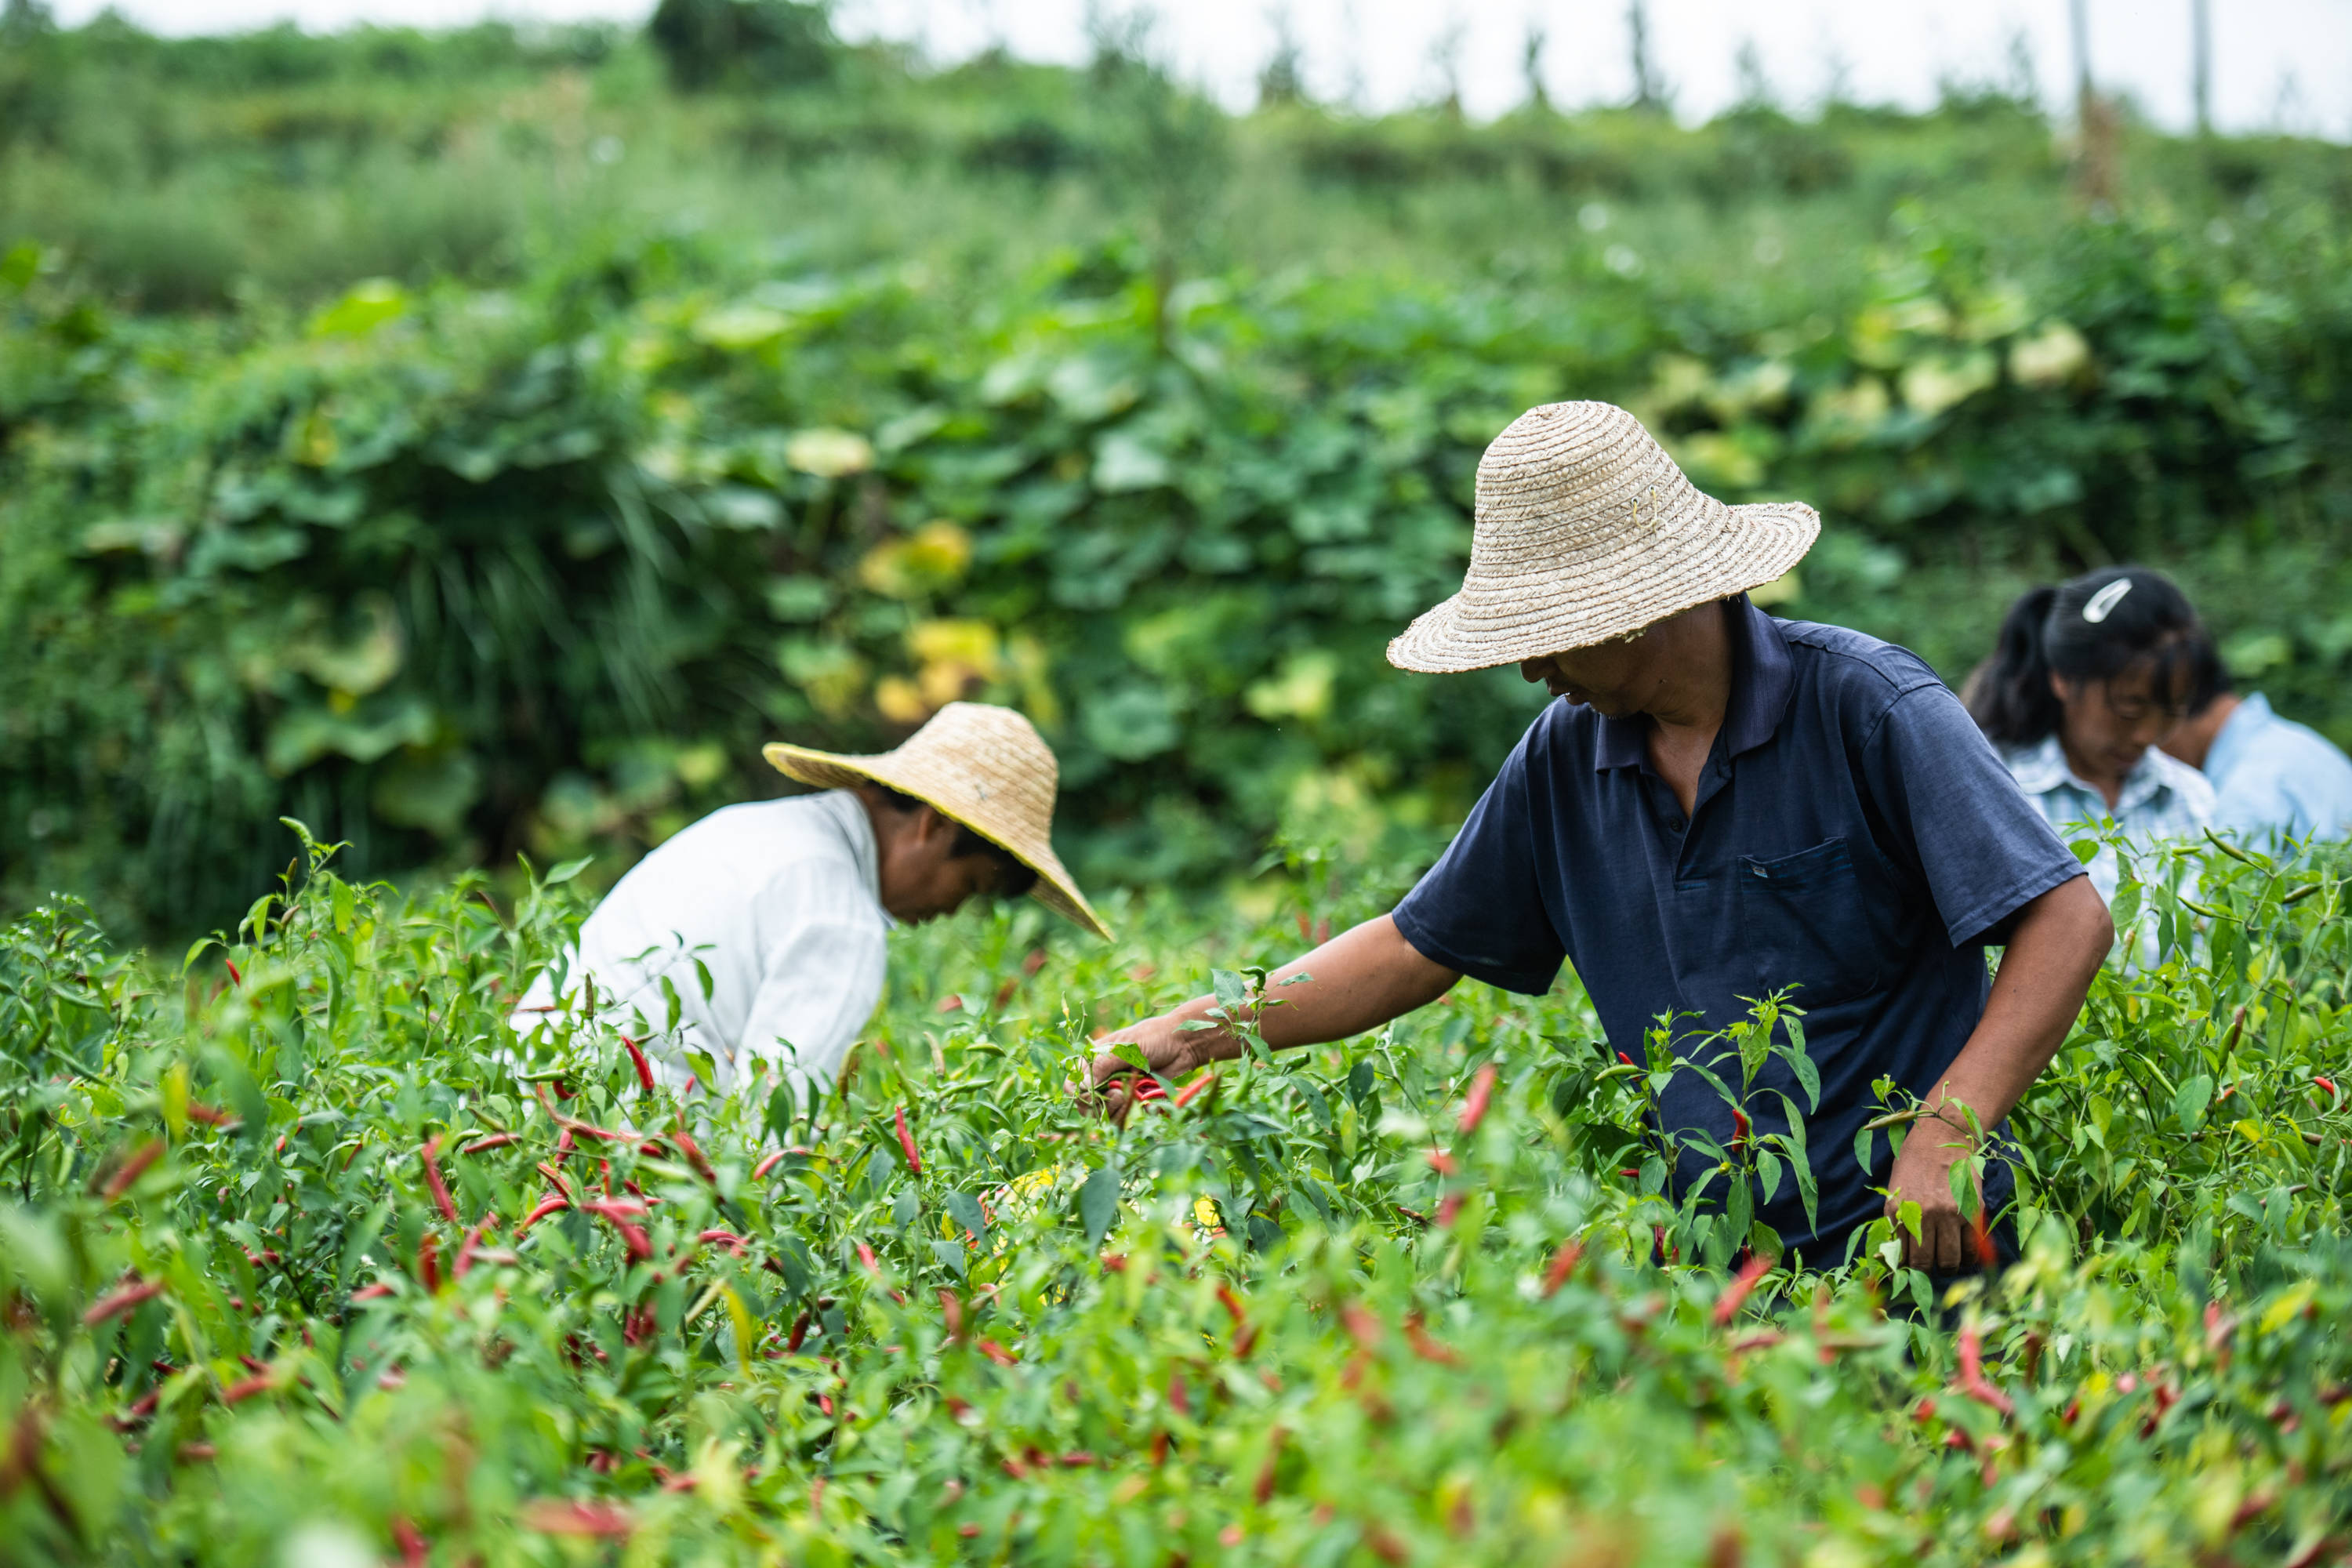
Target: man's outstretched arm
1360 979
2054 951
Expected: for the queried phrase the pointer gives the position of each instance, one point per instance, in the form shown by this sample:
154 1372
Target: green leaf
950 1253
568 870
1233 991
363 1236
1098 1202
2190 1101
964 1209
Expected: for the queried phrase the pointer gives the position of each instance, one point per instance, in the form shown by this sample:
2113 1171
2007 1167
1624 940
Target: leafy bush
306 1255
454 572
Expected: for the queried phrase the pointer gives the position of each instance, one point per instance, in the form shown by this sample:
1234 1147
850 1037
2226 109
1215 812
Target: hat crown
1586 477
1586 530
987 756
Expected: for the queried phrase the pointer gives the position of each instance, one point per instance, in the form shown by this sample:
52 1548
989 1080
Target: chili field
305 1259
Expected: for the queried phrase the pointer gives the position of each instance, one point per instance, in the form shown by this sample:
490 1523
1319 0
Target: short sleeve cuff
1437 949
1987 924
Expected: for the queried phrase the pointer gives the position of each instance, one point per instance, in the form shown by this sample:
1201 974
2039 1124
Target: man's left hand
1923 1176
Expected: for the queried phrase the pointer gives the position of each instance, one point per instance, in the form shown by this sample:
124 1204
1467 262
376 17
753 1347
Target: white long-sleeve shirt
781 901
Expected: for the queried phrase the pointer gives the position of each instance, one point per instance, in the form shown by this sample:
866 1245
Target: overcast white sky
2282 64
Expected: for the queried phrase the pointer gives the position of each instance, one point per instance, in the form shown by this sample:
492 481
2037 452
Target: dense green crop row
268 1285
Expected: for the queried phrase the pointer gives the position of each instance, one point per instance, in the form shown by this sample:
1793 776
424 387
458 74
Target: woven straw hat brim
1499 626
1587 531
928 781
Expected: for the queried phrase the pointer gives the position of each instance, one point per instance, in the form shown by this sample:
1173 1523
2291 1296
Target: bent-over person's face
1616 679
921 880
2110 724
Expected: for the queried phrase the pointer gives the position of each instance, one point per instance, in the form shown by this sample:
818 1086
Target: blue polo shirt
1853 837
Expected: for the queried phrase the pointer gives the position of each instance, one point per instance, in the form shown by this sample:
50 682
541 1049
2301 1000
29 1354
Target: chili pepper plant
305 1254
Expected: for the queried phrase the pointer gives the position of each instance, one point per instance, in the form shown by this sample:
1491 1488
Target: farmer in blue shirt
1723 804
2273 779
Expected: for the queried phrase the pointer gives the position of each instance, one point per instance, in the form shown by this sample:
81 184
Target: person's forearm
2059 941
1360 980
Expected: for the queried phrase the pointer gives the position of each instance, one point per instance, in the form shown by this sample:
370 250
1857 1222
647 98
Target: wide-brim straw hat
1586 532
982 766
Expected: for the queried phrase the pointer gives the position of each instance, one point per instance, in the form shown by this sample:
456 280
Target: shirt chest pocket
1807 924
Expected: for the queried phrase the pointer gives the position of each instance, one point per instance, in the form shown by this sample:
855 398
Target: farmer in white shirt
786 904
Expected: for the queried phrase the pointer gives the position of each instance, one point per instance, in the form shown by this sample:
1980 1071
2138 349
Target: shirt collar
849 818
1761 682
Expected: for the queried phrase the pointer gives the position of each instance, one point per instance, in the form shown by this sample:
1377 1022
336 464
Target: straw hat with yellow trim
982 766
1586 532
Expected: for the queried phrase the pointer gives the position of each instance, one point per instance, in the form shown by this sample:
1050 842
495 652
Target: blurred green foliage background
478 442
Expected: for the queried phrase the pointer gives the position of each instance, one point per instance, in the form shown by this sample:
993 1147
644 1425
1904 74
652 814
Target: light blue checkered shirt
2163 799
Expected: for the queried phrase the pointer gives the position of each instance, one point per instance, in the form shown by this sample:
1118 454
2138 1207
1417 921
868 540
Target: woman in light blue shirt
2088 678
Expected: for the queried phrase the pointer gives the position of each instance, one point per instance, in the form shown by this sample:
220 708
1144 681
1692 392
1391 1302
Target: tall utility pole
1646 82
2201 80
2078 13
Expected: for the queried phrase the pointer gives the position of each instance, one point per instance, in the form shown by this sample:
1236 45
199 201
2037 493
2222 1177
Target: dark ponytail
2047 632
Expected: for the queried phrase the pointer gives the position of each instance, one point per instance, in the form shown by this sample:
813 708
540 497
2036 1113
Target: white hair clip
2103 603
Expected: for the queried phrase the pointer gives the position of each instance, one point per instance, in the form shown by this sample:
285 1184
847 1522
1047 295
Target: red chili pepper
1626 1059
1444 1162
951 1004
211 1116
1741 1130
694 1155
768 1162
1233 1304
132 1168
428 1263
552 1204
618 1213
429 1157
370 1292
1424 1347
1179 1398
1980 1235
1972 1377
233 972
907 1141
114 1303
1473 1104
246 1389
1035 962
952 1310
997 1353
1734 1295
279 1147
414 1551
1193 1091
726 1238
1563 1264
2327 1084
466 1253
800 1332
1263 1492
495 1141
637 1059
1448 1207
866 1256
